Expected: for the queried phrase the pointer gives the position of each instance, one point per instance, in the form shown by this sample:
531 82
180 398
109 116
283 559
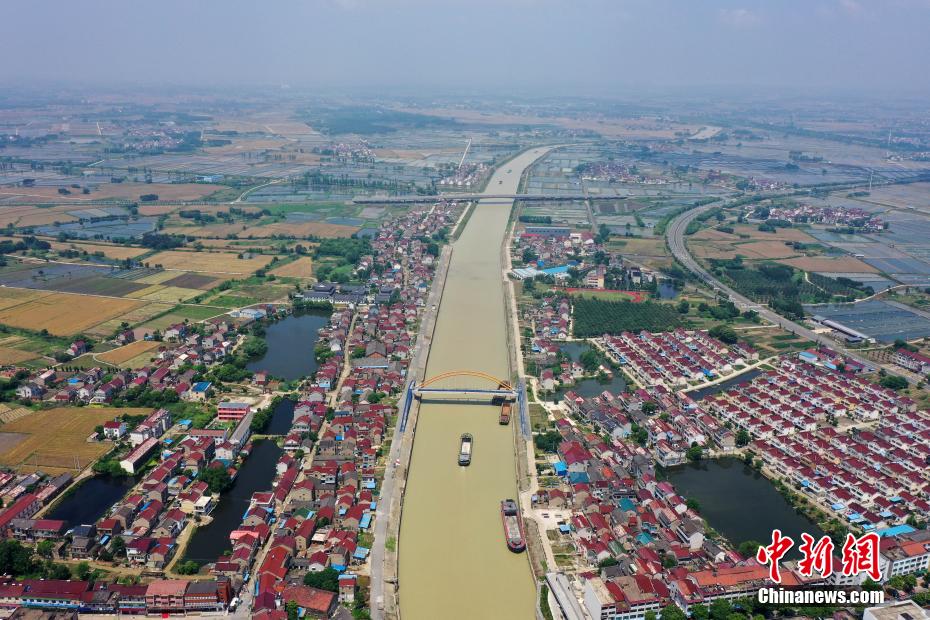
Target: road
676 243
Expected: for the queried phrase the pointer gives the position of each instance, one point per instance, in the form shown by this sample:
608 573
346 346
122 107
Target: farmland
167 294
121 355
124 191
118 252
594 317
62 314
9 355
209 262
53 440
607 294
300 268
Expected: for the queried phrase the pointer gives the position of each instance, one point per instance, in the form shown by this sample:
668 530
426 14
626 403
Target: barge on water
465 449
513 526
505 414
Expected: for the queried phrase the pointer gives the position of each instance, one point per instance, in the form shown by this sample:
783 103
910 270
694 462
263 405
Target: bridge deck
437 197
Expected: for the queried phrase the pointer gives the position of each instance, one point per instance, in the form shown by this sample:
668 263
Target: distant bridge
468 197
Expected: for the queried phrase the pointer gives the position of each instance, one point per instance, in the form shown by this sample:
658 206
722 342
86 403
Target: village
314 520
852 454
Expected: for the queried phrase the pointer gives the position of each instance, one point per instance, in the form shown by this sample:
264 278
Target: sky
583 47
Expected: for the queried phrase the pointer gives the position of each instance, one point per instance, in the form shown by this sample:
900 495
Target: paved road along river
454 562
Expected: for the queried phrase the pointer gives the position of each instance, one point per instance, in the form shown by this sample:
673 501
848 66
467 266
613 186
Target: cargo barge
465 449
513 526
505 414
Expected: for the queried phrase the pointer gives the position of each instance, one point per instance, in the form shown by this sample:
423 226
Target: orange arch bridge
499 384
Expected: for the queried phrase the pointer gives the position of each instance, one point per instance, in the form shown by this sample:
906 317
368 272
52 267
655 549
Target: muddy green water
454 562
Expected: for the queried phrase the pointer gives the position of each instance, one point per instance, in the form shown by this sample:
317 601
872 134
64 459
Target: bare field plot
780 234
703 249
10 355
900 196
168 294
10 297
209 262
56 438
262 231
300 268
646 247
842 264
121 355
193 280
158 277
765 249
127 191
118 252
31 215
64 314
712 234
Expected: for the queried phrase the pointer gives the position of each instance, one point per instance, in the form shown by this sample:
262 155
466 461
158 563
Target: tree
118 547
607 562
693 504
293 613
15 559
699 612
326 579
695 453
742 437
724 333
82 571
684 306
589 360
45 548
649 407
672 612
189 567
893 382
548 441
870 585
748 548
217 479
720 609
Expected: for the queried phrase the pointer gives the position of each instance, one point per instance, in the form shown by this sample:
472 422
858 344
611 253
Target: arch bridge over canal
465 384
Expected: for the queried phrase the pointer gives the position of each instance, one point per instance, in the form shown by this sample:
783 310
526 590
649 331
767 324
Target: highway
676 243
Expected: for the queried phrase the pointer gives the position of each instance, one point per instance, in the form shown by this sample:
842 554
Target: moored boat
513 525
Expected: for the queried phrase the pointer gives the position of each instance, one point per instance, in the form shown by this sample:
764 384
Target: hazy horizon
552 47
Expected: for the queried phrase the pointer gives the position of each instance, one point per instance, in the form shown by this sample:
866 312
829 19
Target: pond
666 290
588 387
290 346
91 499
738 501
282 417
256 474
745 377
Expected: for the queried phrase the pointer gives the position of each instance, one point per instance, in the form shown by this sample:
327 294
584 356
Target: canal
282 417
290 343
256 474
738 501
91 499
454 562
